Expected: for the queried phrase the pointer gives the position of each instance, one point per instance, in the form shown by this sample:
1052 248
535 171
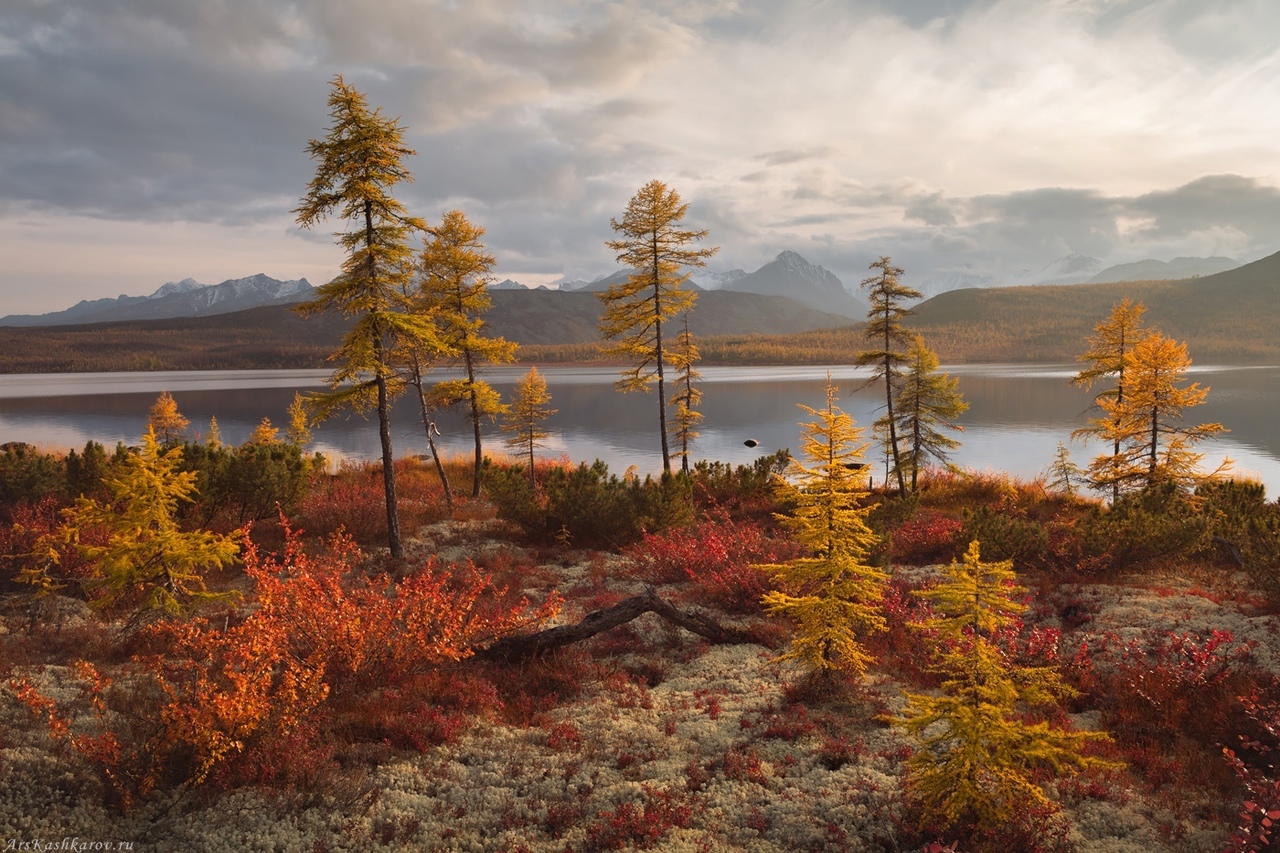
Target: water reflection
1018 413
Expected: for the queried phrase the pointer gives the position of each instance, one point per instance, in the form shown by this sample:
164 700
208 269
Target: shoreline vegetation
183 345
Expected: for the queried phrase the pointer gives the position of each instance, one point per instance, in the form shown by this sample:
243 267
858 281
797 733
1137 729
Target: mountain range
1230 317
1078 269
788 275
186 298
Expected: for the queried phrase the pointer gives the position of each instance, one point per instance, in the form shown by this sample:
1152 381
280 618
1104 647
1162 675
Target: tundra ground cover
645 736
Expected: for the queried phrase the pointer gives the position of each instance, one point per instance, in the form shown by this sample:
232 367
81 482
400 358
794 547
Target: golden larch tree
926 402
1156 447
147 560
454 292
684 355
1108 357
656 250
833 595
525 417
299 431
357 165
977 766
165 420
890 341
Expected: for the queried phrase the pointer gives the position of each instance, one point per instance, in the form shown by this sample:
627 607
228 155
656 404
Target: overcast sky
144 141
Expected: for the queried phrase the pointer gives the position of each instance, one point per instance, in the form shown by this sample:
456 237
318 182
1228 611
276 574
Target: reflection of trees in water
593 417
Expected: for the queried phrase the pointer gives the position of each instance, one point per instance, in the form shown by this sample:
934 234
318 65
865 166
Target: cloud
978 134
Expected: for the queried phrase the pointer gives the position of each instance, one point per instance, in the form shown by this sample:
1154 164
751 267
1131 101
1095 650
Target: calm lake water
1017 414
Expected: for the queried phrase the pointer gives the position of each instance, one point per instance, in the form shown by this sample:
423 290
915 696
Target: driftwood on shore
523 646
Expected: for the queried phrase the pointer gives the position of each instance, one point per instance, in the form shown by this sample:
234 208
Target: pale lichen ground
696 735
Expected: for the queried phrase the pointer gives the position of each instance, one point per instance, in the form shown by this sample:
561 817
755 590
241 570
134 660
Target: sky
145 141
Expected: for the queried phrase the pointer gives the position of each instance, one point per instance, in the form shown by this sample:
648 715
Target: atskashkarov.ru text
38 845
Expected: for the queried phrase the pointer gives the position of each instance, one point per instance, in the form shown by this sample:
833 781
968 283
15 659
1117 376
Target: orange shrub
258 699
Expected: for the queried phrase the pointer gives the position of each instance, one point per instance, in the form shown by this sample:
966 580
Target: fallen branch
533 645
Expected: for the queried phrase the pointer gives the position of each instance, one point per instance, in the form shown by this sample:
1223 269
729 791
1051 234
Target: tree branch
523 646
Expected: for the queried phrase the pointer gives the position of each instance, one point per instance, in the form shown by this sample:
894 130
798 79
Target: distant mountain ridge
1231 317
186 298
1152 270
788 275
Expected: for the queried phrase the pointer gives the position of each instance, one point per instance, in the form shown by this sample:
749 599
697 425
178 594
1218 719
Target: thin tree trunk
388 469
475 420
384 411
662 390
532 482
429 427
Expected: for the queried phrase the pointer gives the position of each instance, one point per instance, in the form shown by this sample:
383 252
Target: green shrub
1157 522
743 486
1244 528
1007 533
26 474
589 506
86 472
253 481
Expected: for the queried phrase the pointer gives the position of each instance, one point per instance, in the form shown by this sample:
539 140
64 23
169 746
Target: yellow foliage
979 756
833 596
165 420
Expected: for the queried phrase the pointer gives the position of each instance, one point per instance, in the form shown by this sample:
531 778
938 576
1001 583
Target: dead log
524 646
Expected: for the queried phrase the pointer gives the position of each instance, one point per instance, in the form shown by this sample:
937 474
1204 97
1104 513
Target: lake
1018 413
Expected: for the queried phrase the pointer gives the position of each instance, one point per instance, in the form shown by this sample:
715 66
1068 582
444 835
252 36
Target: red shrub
256 700
719 558
1259 814
638 825
927 537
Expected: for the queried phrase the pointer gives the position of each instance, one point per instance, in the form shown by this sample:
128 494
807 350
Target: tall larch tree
926 402
890 341
1156 447
977 769
684 355
358 164
454 291
833 595
1110 351
525 417
656 250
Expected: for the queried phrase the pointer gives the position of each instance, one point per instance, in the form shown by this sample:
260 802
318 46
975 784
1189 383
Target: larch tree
1156 446
264 433
165 420
147 560
656 250
891 341
1110 351
215 434
684 355
925 403
357 165
454 291
833 595
1063 473
980 755
299 431
525 417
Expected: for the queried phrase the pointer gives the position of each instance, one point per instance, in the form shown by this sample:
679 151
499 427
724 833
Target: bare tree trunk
429 427
525 646
389 471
